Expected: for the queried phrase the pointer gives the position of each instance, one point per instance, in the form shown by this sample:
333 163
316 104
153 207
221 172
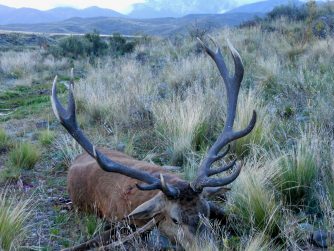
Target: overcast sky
123 6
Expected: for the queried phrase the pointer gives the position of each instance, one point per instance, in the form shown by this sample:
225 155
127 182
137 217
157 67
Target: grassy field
165 103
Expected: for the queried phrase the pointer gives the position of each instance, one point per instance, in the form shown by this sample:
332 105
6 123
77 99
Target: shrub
119 46
24 155
13 215
72 46
292 12
96 46
46 137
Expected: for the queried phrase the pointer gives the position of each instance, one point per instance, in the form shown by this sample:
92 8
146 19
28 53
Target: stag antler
232 85
68 119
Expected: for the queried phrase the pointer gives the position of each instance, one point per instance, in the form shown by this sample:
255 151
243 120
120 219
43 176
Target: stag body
111 195
117 185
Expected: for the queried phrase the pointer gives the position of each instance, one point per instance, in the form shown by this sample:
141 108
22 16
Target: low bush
119 46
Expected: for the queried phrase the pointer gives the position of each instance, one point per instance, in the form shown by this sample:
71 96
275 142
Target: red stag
118 186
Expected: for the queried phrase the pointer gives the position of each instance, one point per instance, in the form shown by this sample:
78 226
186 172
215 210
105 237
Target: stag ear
150 208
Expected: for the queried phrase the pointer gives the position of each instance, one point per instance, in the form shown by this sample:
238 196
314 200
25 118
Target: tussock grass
260 136
258 242
179 122
46 137
23 156
14 213
118 93
252 203
5 141
25 65
68 148
10 173
19 64
298 170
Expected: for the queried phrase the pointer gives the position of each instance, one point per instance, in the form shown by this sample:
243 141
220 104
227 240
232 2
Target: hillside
156 26
149 9
263 6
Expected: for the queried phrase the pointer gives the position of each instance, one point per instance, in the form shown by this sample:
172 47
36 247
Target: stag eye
175 221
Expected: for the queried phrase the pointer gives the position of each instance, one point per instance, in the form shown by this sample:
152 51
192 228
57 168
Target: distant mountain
263 6
30 16
178 8
126 26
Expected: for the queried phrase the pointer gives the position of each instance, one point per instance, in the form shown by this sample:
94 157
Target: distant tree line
92 45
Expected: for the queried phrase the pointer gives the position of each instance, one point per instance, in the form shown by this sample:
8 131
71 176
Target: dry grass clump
19 64
180 122
260 136
46 137
188 71
252 203
118 93
14 213
258 242
69 149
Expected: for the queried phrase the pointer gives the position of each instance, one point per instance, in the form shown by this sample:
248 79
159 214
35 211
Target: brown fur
111 195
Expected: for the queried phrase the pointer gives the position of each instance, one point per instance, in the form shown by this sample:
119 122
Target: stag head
180 205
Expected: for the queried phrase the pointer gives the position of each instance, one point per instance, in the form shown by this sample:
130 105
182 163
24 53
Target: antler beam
67 118
232 85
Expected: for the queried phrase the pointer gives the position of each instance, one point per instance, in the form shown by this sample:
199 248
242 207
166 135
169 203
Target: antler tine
68 119
232 85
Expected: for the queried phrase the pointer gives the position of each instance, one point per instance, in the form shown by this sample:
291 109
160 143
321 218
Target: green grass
5 141
46 137
23 156
9 174
298 171
22 101
13 216
253 205
259 136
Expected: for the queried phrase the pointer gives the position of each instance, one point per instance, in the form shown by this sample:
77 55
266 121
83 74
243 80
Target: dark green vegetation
164 102
91 45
